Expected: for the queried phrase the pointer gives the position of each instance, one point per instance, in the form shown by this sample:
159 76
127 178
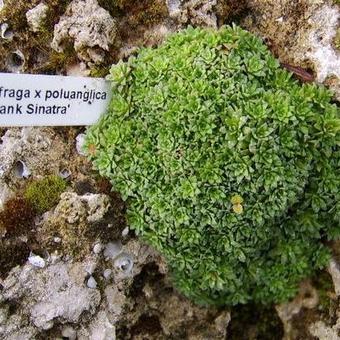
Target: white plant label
42 100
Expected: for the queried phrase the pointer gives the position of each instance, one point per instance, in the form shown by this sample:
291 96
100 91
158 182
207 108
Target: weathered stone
36 16
196 12
48 295
300 33
89 26
334 271
307 298
324 332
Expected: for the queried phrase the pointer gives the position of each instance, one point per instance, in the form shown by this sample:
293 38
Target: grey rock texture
322 331
89 26
334 271
58 298
100 328
78 220
320 38
36 16
38 149
307 298
195 12
300 33
55 294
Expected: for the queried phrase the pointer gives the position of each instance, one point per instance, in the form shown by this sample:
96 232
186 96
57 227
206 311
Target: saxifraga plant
228 165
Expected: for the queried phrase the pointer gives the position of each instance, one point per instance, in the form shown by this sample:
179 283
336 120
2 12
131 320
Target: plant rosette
228 165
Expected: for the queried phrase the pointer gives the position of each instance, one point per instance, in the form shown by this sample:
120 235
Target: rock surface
125 291
321 331
47 296
334 270
89 26
37 149
307 298
122 304
300 33
195 12
36 16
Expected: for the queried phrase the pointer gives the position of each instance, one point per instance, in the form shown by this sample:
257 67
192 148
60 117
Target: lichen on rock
74 220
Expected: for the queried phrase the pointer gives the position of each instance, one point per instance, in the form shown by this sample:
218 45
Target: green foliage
227 164
44 194
99 72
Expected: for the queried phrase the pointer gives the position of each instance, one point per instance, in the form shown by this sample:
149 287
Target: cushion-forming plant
229 166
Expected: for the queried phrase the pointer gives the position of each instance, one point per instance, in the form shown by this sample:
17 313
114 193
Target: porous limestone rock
306 298
57 299
98 206
196 12
300 33
334 271
321 331
100 328
15 61
69 333
5 32
115 299
89 26
325 58
36 16
3 315
174 8
73 208
139 254
327 327
77 220
169 313
112 249
200 12
5 193
176 309
55 294
39 149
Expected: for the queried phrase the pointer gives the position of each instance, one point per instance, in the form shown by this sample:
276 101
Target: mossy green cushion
228 165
